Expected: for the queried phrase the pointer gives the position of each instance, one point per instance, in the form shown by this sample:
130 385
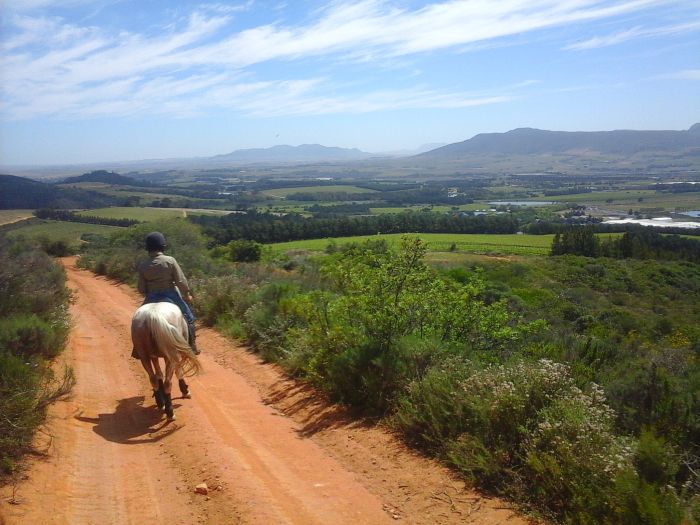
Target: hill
22 193
107 177
530 141
303 153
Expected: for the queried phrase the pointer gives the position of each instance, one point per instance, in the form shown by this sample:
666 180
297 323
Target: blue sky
107 80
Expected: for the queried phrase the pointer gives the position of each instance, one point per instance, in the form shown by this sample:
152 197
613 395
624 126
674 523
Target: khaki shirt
161 272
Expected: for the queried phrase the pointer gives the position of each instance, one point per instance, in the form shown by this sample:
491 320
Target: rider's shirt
160 273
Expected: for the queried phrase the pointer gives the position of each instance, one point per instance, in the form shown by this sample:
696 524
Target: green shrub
655 459
30 283
33 327
637 502
243 250
26 390
228 296
28 335
19 382
230 327
526 429
57 247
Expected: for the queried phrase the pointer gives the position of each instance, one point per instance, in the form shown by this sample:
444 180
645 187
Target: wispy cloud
634 33
50 67
31 5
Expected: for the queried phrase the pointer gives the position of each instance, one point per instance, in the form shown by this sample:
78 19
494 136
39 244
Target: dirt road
270 450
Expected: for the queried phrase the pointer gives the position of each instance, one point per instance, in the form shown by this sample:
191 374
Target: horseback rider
161 279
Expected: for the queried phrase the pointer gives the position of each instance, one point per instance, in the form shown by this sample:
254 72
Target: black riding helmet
155 242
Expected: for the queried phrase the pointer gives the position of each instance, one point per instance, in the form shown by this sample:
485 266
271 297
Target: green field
59 230
133 191
147 214
509 244
282 193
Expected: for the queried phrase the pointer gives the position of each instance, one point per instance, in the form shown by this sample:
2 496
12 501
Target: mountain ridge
286 153
532 141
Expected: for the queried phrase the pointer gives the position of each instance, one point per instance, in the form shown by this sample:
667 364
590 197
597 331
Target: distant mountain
529 141
107 177
303 153
21 193
411 152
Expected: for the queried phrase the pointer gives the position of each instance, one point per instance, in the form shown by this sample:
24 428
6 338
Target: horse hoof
187 396
171 418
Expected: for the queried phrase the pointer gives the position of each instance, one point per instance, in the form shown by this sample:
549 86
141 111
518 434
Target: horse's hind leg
158 387
184 387
159 395
167 387
155 378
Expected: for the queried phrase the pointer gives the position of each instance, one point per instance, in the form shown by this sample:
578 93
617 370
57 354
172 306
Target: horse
158 330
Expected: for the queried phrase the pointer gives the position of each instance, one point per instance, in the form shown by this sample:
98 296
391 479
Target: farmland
440 242
282 193
10 216
147 214
59 230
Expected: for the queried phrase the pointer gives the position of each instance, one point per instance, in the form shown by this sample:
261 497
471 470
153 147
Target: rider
161 279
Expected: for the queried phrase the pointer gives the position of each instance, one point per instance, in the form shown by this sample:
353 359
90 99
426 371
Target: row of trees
269 228
642 244
70 216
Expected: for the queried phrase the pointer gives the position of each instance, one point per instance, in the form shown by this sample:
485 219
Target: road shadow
131 423
312 409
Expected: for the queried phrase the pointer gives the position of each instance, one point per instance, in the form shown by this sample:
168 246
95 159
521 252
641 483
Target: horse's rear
158 330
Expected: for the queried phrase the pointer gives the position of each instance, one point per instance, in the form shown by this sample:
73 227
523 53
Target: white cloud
227 8
50 67
634 33
30 5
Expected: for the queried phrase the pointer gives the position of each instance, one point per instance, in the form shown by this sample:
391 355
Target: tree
242 250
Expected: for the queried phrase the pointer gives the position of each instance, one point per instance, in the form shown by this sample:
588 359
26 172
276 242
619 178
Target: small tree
243 250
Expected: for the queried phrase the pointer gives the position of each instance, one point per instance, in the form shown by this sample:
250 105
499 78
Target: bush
223 296
28 335
230 327
526 429
26 390
242 250
33 327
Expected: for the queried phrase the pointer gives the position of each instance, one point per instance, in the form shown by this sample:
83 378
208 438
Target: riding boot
192 338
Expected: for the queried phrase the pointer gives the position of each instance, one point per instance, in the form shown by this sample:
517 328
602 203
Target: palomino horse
158 330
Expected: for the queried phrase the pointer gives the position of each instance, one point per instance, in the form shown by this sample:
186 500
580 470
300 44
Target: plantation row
568 383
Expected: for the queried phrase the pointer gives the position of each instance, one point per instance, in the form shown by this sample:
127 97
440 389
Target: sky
112 80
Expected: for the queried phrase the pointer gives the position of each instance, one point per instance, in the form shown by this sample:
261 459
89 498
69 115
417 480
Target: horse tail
170 342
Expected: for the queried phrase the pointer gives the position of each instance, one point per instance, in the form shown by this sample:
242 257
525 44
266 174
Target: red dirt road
271 450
